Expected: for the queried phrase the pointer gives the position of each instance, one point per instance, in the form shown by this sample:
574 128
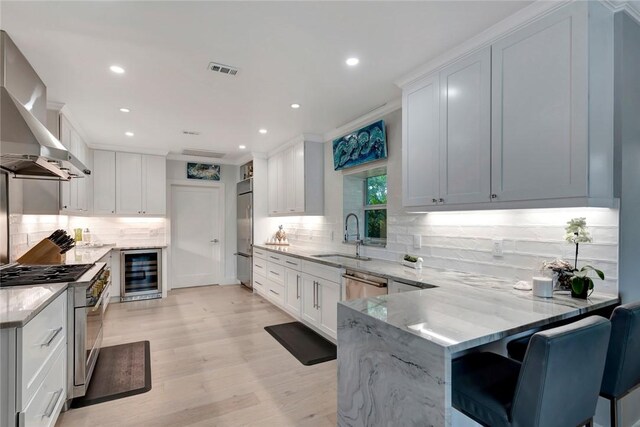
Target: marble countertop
20 304
86 254
463 310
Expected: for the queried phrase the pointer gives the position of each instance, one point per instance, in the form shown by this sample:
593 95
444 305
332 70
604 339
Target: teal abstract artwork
362 146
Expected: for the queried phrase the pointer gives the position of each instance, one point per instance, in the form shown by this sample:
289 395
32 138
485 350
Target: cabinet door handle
292 263
434 200
257 265
441 200
52 404
314 294
494 196
51 337
274 292
258 283
273 272
274 257
297 286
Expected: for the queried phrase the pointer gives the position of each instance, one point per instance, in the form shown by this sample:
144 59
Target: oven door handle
98 303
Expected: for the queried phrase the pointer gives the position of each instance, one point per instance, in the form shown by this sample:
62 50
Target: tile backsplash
27 230
463 241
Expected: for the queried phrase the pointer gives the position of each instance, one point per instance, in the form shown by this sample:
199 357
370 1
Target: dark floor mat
303 343
121 371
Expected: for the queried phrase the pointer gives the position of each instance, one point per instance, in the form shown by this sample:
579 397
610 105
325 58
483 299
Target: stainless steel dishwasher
364 285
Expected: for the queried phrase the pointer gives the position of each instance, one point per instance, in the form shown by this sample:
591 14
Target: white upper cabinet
140 184
420 142
540 109
296 180
74 194
525 122
465 130
104 182
128 183
154 185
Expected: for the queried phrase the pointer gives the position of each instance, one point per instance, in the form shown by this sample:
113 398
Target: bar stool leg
589 423
613 410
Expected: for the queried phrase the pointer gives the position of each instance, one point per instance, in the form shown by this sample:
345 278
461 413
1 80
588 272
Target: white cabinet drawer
37 341
291 262
276 292
44 408
275 272
260 284
275 258
323 271
260 266
260 253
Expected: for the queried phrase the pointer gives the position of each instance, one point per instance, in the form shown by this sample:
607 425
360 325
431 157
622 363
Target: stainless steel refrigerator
245 232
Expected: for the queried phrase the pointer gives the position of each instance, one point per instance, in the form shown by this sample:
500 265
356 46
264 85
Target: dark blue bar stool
622 370
556 385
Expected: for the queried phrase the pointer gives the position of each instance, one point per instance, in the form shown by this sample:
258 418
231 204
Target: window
375 209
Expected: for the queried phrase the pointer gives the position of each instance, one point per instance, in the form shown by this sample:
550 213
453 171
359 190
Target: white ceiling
286 51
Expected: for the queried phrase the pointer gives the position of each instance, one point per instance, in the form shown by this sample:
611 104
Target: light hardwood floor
213 364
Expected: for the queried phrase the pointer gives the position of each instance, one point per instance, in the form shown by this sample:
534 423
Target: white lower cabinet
307 290
320 299
34 368
293 291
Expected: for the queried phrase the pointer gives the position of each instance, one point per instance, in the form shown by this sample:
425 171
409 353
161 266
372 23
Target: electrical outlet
417 241
497 247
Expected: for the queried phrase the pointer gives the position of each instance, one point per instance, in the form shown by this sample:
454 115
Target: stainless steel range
86 284
85 319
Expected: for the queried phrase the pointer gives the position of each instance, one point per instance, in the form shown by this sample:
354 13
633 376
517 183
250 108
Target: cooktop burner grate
39 274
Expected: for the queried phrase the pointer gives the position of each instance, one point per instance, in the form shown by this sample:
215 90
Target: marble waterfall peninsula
395 351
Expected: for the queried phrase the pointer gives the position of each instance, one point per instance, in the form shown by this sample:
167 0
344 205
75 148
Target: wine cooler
140 274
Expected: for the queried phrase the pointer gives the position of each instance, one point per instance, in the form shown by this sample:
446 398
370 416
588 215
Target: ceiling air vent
203 153
224 69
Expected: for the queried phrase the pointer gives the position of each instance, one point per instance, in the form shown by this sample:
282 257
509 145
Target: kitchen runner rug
303 343
121 371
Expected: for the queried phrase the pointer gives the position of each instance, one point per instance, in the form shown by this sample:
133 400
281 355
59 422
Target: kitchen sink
338 256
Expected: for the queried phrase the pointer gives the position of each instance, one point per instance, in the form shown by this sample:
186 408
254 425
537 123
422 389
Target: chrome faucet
346 232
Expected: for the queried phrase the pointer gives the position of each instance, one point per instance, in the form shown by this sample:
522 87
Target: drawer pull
258 283
52 404
291 262
274 257
273 272
52 336
257 265
274 292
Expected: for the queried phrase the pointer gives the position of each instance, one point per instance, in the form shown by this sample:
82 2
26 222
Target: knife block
44 253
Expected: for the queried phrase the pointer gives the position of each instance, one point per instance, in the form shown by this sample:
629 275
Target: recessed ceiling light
117 69
352 61
295 106
242 147
262 131
125 110
129 133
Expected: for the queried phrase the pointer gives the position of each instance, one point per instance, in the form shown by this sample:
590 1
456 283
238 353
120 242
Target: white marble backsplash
463 241
27 230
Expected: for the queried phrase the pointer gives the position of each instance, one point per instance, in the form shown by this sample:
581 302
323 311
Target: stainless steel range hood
27 148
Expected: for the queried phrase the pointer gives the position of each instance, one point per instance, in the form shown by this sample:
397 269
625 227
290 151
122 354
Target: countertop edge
33 313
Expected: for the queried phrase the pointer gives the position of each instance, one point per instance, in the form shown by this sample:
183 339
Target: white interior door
197 226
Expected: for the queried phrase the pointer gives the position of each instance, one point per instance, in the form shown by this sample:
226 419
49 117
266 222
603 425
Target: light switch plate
417 241
497 247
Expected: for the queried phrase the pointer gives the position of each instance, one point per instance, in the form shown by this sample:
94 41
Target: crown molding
508 25
371 116
66 112
53 105
127 149
201 159
619 5
310 137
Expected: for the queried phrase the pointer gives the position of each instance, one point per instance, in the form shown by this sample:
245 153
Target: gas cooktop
38 274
